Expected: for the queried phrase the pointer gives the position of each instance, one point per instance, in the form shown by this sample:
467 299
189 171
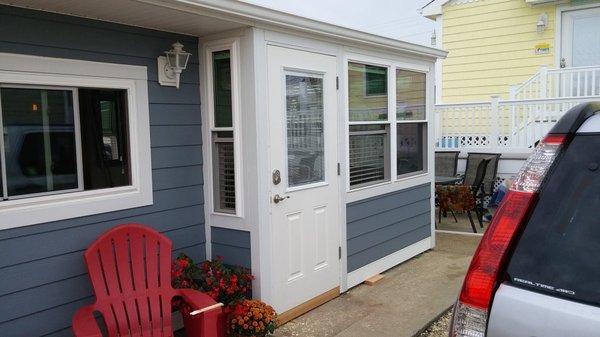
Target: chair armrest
198 300
84 323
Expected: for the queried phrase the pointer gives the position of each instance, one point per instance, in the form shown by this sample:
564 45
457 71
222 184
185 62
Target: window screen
368 154
224 170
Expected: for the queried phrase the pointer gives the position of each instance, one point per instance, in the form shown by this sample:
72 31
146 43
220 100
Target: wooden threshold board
307 306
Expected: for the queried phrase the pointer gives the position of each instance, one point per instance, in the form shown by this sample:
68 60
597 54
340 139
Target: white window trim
395 182
56 72
233 46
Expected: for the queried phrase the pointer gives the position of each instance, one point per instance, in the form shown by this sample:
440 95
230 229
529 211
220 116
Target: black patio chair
446 163
473 159
487 188
462 198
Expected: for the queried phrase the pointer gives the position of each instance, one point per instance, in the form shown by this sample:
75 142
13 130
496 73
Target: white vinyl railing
501 126
559 83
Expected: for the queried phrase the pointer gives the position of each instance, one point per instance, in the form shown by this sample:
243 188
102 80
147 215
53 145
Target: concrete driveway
404 302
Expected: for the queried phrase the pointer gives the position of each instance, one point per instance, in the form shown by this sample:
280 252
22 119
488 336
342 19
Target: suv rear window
559 249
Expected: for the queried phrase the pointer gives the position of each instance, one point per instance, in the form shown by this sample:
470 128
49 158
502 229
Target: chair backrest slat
130 271
473 160
446 163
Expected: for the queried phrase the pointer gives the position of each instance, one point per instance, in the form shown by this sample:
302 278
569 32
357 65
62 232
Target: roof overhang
204 17
433 8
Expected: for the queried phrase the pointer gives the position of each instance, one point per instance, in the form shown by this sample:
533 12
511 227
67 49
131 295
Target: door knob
277 198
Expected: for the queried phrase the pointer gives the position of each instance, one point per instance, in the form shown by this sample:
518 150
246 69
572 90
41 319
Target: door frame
558 22
330 174
279 39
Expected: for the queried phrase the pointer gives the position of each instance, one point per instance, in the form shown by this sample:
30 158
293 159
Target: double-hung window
411 122
223 129
372 127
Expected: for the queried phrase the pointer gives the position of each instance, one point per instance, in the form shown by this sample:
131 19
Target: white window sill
388 187
30 211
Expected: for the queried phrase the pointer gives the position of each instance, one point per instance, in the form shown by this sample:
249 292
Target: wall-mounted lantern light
433 38
542 23
171 65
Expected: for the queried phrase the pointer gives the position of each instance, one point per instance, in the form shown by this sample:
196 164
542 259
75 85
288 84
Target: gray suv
536 272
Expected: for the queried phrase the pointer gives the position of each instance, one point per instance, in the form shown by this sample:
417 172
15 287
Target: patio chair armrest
199 301
84 323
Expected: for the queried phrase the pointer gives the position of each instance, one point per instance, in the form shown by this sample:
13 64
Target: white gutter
258 16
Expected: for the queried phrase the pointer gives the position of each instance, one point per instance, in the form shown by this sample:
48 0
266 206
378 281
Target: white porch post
543 82
494 124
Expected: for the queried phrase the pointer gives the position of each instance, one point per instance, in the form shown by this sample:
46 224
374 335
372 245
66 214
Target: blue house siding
43 279
233 245
382 225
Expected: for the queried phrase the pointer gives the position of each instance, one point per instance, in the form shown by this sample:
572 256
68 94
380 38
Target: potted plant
252 318
229 285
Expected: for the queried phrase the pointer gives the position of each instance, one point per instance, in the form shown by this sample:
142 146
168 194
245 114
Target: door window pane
222 88
105 156
39 140
368 154
411 150
410 95
304 113
367 92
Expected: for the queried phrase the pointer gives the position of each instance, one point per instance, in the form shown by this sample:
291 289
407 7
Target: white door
580 45
304 186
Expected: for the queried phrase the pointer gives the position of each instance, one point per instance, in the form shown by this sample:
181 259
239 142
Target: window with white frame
371 160
222 132
75 139
59 140
411 122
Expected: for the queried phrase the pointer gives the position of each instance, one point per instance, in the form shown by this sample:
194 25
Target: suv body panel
518 312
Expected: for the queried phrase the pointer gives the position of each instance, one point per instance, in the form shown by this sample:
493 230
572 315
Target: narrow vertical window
223 145
411 131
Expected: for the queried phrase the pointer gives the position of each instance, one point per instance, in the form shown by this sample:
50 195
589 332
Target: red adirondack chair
130 270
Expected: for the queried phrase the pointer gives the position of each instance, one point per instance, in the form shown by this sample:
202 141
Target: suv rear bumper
517 312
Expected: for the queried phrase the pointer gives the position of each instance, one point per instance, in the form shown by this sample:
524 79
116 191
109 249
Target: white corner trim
358 276
47 71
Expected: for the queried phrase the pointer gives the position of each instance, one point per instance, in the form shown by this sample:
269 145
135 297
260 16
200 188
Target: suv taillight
471 310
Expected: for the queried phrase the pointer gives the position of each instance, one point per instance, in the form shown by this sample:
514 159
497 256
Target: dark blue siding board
388 247
163 201
45 244
44 322
43 279
186 94
379 220
175 135
180 114
72 289
232 245
175 177
371 206
165 157
382 225
396 229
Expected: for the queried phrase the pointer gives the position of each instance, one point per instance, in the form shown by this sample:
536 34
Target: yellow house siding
491 45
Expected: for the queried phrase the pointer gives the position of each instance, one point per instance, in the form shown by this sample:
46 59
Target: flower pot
193 325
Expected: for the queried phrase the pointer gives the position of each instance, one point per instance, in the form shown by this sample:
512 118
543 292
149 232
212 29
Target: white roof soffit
265 17
204 17
433 8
